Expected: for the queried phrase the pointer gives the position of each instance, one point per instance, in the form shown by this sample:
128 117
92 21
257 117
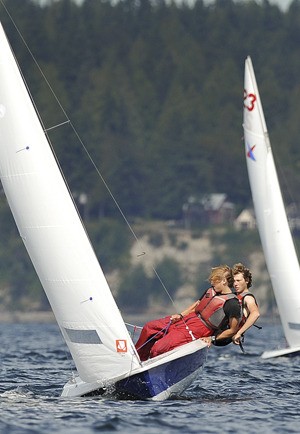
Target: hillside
195 252
180 258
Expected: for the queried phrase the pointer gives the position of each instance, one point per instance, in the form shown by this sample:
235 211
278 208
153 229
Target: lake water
235 393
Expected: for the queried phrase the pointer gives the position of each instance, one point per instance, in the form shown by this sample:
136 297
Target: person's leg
171 340
179 334
151 332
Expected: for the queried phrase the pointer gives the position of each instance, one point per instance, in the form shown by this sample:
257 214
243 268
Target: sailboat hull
158 383
156 380
287 352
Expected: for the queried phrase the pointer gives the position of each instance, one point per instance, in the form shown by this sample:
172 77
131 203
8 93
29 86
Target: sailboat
276 239
58 245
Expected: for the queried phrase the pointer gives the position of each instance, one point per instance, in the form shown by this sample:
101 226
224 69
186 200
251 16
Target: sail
54 236
275 235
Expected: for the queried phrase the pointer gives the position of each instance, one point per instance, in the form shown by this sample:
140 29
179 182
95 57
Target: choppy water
236 393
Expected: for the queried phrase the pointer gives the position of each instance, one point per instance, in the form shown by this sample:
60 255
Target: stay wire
163 330
68 121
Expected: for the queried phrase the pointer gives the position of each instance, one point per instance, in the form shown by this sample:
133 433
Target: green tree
133 294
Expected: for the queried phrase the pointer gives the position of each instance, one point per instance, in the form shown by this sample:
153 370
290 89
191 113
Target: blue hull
159 379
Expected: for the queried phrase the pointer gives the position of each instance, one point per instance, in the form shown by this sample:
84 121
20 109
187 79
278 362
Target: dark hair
240 268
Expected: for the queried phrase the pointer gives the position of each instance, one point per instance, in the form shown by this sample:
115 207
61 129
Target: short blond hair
221 272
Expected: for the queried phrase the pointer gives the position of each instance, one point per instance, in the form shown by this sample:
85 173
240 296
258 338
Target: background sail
278 246
54 236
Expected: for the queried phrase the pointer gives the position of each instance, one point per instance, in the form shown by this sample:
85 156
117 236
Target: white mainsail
55 238
275 235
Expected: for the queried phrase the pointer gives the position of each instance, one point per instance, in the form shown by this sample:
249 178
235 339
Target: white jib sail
54 236
276 239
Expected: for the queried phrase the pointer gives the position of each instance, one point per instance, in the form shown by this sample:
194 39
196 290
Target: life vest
245 312
210 308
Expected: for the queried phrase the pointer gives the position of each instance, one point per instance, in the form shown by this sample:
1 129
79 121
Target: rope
135 327
165 329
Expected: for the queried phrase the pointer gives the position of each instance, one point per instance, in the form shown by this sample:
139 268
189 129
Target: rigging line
72 126
35 61
164 286
57 126
133 325
163 330
106 186
69 121
82 144
120 210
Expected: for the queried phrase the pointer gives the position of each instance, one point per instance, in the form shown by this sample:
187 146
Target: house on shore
209 209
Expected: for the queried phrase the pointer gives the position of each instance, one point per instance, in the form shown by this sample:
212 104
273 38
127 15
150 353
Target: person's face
218 283
240 284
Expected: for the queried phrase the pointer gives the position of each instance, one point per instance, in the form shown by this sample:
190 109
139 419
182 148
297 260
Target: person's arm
178 316
228 333
252 318
232 311
233 327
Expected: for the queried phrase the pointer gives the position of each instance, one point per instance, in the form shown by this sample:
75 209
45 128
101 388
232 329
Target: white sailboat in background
275 235
57 243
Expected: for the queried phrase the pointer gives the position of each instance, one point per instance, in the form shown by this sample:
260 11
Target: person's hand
176 317
236 339
207 340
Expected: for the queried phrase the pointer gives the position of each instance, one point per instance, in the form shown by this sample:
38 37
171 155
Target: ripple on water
234 393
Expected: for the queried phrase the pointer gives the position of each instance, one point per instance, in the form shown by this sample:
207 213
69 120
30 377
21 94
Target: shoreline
26 317
47 317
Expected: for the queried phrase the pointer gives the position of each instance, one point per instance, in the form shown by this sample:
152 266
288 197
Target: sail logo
249 100
250 153
121 345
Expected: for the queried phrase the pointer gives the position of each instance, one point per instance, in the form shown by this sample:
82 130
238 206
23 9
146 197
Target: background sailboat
275 235
63 257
